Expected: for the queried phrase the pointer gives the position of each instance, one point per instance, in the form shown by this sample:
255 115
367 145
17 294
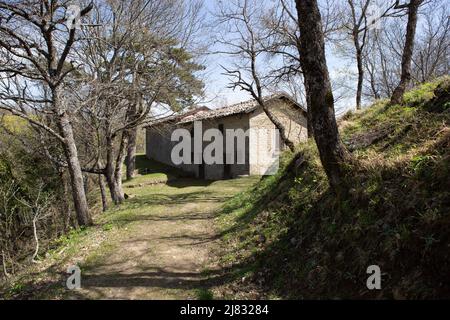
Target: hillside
281 237
289 237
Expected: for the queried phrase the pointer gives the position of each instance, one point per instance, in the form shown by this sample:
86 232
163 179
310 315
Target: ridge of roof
237 108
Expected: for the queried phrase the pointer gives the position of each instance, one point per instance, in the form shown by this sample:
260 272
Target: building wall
159 147
264 144
217 171
259 145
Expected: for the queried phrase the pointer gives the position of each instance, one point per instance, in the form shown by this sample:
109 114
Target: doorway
201 170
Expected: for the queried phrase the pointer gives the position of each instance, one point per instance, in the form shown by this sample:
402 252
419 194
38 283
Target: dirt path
164 246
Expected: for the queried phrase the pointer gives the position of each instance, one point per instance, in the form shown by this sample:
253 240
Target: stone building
261 141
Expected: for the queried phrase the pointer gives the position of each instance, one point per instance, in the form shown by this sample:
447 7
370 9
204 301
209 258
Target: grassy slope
289 237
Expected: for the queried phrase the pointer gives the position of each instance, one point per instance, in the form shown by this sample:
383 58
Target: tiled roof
242 107
175 118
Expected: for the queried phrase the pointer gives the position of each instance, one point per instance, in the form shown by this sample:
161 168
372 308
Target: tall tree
36 42
134 60
385 48
412 8
333 154
358 31
360 20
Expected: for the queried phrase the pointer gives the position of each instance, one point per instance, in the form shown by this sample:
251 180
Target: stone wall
263 146
159 147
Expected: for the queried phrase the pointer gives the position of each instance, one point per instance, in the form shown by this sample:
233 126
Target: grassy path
164 243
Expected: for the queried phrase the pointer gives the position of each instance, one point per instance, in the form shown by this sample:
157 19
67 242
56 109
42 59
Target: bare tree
360 21
283 41
385 48
35 44
38 206
432 49
358 31
134 60
382 58
412 9
244 39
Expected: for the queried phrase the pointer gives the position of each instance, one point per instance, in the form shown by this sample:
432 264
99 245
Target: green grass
204 294
396 215
152 172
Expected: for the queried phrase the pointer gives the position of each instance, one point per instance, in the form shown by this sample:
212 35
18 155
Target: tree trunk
36 238
373 85
278 125
308 107
131 133
116 196
110 173
86 183
131 153
309 125
333 154
5 269
102 186
76 175
360 76
119 162
69 220
405 78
